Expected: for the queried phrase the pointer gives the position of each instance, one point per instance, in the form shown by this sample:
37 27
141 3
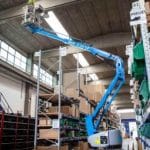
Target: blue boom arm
93 120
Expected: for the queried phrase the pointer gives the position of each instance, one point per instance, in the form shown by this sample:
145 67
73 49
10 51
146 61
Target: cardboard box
84 145
65 147
84 106
94 92
72 92
76 148
147 7
140 147
45 121
64 109
48 134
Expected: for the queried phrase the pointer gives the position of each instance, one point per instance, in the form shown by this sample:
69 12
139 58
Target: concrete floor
128 144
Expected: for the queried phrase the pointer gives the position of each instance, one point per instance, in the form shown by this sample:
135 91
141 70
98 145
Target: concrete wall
33 99
14 92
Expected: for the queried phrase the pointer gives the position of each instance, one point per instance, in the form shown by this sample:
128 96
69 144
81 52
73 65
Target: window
11 51
3 54
12 57
4 46
45 77
16 59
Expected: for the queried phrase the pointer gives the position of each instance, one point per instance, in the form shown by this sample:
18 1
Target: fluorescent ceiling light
82 60
93 76
55 24
125 111
84 63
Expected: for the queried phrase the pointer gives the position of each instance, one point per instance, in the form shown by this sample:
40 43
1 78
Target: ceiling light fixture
82 60
93 76
58 28
56 25
125 111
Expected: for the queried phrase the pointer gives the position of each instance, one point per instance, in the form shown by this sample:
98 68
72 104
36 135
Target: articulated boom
93 120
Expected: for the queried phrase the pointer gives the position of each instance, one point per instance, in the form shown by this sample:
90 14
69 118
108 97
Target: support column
29 68
27 102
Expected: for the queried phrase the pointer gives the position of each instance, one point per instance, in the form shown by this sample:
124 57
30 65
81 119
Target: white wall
33 98
130 115
14 92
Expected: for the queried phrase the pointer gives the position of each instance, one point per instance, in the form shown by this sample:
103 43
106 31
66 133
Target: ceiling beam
120 106
98 68
103 67
19 10
122 103
6 69
112 40
123 97
106 81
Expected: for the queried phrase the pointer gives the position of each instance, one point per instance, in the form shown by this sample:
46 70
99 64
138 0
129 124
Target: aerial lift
96 138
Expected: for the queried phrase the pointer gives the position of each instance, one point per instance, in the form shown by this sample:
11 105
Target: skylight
55 24
82 60
93 76
84 63
58 28
125 111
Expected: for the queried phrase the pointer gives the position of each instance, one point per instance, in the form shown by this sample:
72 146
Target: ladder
4 106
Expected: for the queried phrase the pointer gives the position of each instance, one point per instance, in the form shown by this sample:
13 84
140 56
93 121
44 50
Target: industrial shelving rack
16 132
73 126
138 23
60 116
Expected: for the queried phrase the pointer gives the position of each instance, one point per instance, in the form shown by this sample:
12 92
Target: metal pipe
59 100
78 76
37 99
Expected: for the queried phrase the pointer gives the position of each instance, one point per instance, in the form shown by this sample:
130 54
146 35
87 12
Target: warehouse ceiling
102 23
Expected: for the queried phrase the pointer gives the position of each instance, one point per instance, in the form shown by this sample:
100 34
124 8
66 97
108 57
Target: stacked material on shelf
147 8
144 130
64 109
17 132
144 93
138 65
92 92
53 147
141 69
71 128
82 145
69 105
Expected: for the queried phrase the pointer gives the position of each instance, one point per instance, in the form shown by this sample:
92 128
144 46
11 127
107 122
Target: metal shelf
67 139
55 115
